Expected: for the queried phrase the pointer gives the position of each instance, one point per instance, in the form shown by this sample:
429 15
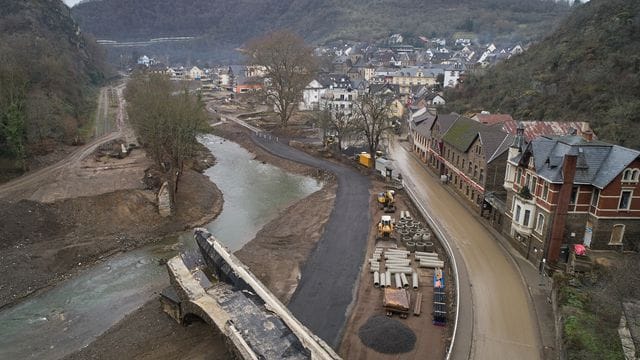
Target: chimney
564 196
587 133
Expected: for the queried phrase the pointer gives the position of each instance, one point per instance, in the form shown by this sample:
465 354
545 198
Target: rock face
165 207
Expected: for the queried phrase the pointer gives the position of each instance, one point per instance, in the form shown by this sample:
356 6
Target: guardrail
443 240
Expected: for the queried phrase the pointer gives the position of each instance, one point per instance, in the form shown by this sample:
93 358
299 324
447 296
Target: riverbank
275 256
42 244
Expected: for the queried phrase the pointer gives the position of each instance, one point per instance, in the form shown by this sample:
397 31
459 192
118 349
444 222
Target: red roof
533 129
491 119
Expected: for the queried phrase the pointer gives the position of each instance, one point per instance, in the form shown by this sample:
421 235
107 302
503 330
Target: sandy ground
431 339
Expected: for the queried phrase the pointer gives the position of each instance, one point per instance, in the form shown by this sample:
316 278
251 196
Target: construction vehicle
365 159
385 228
386 201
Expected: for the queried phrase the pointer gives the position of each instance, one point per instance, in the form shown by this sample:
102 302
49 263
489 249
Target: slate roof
598 163
445 121
464 132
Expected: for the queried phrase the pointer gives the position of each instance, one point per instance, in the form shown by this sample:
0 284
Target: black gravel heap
386 335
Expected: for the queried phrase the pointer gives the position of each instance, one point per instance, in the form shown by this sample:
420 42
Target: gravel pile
386 335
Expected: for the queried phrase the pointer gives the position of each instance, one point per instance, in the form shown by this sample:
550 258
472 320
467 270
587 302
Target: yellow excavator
385 228
386 201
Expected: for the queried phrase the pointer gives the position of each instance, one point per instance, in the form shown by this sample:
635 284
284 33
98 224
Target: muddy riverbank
275 255
42 244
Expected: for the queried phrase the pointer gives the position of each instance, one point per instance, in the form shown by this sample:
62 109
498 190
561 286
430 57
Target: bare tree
289 66
373 118
166 124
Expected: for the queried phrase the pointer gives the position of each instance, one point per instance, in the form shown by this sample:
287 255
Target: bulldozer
386 201
385 228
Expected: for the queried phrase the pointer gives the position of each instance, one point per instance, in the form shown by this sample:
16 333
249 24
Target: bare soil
275 256
43 243
431 339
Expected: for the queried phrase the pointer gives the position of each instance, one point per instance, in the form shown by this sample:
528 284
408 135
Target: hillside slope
48 69
317 20
588 69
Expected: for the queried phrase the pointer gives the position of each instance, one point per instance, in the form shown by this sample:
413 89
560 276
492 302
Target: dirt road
328 281
501 323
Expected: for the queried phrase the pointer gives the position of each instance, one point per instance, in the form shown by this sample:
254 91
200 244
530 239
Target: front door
588 231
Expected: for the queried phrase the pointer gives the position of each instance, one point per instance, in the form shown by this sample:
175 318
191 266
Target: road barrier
447 247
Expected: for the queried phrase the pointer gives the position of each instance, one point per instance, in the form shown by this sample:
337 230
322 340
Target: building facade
571 190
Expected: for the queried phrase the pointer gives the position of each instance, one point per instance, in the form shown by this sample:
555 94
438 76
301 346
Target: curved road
496 319
328 283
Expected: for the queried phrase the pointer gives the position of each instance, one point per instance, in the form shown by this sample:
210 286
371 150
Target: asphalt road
327 286
496 319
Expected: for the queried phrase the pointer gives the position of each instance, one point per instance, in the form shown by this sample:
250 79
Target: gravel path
327 285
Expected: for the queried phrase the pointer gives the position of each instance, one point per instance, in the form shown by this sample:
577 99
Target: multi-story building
468 155
571 189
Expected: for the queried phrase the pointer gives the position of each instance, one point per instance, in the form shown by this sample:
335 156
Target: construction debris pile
386 335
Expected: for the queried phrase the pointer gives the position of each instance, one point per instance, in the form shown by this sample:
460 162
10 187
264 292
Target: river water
71 315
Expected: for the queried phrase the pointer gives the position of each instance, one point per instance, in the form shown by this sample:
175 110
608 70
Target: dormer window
631 175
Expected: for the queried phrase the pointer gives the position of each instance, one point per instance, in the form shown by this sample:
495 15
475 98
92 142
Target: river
72 314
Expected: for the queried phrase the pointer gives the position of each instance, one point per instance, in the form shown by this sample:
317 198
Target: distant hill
235 21
48 70
588 69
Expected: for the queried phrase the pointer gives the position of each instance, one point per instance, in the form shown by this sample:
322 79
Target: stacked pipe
376 279
414 277
428 260
398 281
383 280
387 277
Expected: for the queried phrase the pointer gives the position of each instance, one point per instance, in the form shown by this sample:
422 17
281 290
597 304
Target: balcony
521 229
525 195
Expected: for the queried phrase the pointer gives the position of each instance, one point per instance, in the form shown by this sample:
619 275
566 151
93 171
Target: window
540 223
469 167
475 170
625 200
527 214
518 176
534 183
527 181
574 194
545 190
595 195
481 175
517 217
350 97
617 234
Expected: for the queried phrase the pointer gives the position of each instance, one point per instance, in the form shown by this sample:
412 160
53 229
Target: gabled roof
445 121
424 123
462 133
465 131
533 129
598 163
491 119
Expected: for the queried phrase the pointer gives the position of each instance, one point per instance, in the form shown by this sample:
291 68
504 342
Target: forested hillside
588 69
235 21
48 70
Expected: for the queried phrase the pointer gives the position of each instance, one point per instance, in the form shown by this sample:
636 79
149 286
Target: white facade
311 96
195 73
451 77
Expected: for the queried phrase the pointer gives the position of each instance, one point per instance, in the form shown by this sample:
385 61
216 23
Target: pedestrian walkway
539 285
